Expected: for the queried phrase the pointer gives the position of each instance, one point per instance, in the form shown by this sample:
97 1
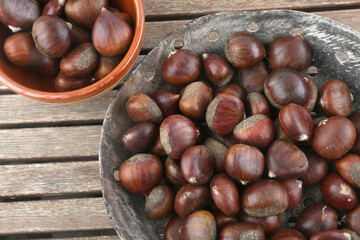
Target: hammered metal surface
335 52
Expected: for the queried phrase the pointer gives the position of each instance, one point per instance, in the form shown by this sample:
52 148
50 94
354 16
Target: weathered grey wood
53 216
43 144
49 179
114 237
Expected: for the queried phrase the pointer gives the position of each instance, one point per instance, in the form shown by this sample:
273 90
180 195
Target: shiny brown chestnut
52 36
64 83
54 7
353 234
122 15
172 229
217 69
284 160
197 165
195 99
312 96
181 68
141 108
294 189
84 13
79 35
167 101
331 234
257 131
111 35
140 173
317 170
244 163
269 224
242 230
222 220
191 198
228 140
199 225
139 138
173 172
355 119
335 98
352 219
252 79
159 202
284 86
244 50
349 168
338 193
225 194
334 137
50 66
157 148
264 198
217 150
256 103
223 113
296 122
177 133
232 89
289 52
288 234
105 66
80 62
19 15
315 218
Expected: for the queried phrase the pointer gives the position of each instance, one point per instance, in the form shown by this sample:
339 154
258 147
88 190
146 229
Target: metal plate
335 52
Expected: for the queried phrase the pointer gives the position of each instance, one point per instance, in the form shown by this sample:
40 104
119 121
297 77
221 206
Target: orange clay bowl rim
98 88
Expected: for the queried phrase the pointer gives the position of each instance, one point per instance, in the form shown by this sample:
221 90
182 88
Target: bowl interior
335 52
32 84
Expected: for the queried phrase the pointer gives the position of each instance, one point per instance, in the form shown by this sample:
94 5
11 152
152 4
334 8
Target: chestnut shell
218 151
173 172
256 103
140 137
252 79
172 229
317 170
288 234
352 219
269 224
141 108
217 69
159 202
349 168
199 225
242 230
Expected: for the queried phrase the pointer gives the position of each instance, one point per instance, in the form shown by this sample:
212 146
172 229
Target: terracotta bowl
36 86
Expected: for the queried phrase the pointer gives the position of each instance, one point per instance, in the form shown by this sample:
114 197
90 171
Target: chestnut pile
60 45
228 176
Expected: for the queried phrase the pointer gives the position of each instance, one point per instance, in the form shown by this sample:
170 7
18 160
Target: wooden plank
53 216
114 237
40 144
349 18
47 179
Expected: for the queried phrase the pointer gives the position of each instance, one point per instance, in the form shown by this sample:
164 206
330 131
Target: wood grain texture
40 144
114 237
48 179
53 216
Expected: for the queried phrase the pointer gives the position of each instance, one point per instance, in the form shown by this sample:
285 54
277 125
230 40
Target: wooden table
49 175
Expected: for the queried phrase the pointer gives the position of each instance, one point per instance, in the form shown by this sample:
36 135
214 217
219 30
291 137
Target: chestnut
244 50
244 163
223 113
79 35
335 98
54 7
218 150
315 218
84 12
195 99
50 67
284 160
242 230
177 133
197 165
64 83
349 168
264 198
331 234
252 79
228 140
140 173
172 229
159 202
111 35
352 219
353 234
139 138
199 225
312 96
80 62
173 172
294 190
355 119
167 101
232 89
141 108
157 148
289 52
52 36
288 234
317 170
19 15
296 122
257 104
269 224
181 68
257 131
123 16
191 198
338 193
334 137
217 69
284 86
222 220
105 66
225 194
